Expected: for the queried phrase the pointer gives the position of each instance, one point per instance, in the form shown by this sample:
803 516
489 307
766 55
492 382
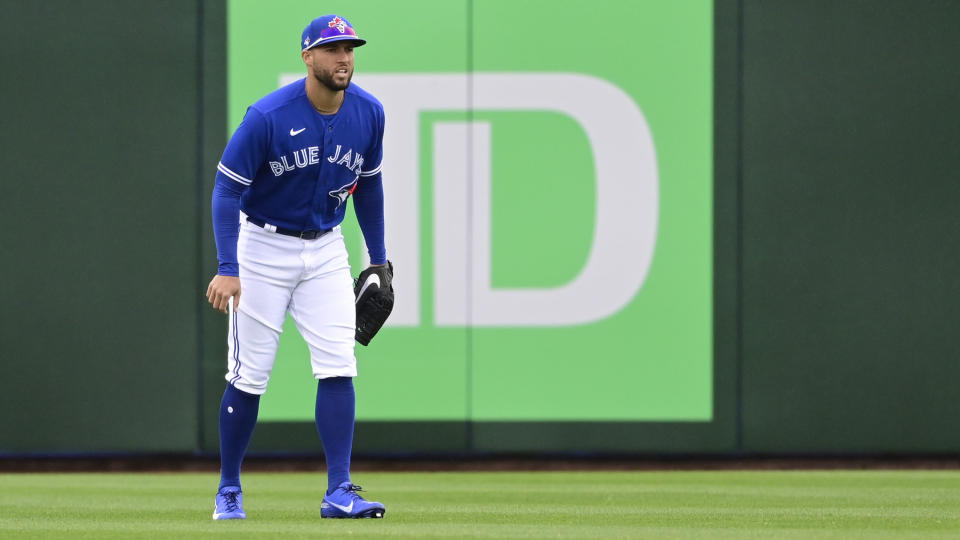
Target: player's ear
305 55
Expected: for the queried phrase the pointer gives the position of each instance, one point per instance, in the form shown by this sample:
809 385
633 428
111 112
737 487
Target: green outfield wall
559 267
618 226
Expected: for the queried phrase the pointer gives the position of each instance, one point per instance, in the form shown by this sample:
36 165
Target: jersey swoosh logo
346 509
372 280
297 132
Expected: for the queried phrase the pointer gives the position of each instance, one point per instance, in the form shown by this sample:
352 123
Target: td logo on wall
548 206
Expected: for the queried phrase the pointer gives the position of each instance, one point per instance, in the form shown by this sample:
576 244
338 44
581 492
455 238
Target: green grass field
723 504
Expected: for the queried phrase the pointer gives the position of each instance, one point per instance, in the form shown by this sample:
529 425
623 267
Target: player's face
332 65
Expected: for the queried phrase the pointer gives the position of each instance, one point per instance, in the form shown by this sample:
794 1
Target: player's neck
323 99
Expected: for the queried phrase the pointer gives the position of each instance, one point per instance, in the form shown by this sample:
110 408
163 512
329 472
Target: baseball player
281 191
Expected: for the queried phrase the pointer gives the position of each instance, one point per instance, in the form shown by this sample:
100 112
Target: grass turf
717 504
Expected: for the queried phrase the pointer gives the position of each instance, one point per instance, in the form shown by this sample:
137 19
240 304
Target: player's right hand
220 290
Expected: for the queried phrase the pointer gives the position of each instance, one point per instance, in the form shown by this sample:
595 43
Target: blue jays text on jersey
300 165
308 156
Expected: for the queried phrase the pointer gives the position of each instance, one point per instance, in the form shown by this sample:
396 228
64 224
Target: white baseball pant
311 280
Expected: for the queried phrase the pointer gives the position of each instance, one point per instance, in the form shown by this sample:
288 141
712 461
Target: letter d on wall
626 213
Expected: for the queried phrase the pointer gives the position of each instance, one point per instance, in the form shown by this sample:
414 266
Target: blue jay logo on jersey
343 192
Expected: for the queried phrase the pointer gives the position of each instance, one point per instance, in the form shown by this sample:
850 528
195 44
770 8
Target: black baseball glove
374 292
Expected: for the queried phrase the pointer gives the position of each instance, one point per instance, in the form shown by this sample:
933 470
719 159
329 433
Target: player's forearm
368 203
226 229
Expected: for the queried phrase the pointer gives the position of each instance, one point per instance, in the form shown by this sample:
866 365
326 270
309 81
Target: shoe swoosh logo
346 509
294 133
372 280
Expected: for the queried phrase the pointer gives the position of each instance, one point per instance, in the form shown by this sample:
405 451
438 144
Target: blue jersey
300 165
294 168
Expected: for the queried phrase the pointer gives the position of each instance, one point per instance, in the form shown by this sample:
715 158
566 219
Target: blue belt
306 235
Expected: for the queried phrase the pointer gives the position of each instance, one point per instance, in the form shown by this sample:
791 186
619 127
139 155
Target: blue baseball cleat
229 504
345 502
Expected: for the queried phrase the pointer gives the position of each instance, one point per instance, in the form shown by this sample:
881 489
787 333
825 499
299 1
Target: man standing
299 153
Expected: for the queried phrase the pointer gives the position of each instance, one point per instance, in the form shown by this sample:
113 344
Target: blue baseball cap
327 29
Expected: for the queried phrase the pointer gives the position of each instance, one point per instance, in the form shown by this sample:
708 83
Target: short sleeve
246 150
376 153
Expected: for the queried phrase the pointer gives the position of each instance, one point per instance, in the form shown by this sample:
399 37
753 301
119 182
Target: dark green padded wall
851 147
100 330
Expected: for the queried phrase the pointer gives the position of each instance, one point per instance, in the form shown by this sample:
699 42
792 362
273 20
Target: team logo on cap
306 41
338 23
